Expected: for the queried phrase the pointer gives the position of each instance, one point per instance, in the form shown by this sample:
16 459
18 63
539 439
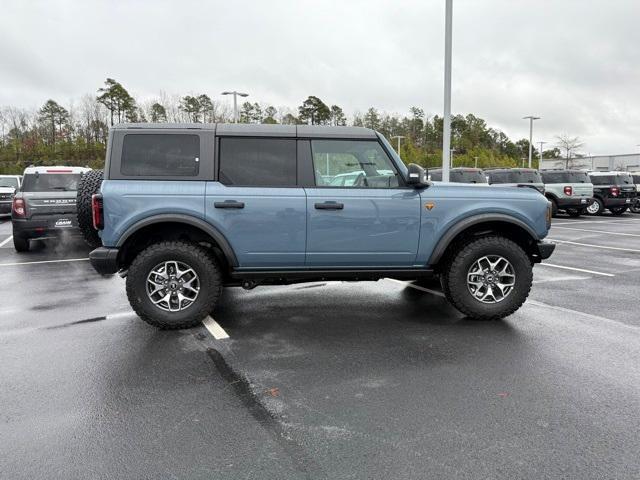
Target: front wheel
635 208
488 278
173 285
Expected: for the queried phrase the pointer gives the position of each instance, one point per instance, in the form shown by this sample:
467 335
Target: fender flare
462 225
209 229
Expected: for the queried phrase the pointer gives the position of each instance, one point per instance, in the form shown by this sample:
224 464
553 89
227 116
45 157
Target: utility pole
531 119
540 162
399 137
446 120
235 102
476 162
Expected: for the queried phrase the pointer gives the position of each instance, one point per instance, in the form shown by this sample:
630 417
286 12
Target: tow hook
249 284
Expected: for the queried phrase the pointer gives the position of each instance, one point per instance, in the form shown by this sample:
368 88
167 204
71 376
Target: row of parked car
575 192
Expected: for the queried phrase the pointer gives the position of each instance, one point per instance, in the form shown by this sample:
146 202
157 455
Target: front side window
352 163
167 155
267 162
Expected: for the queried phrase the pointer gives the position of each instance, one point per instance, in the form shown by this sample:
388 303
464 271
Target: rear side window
436 176
50 182
636 179
565 177
151 155
257 162
468 176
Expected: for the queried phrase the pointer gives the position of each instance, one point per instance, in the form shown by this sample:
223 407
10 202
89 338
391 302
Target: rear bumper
543 251
104 260
28 228
577 202
618 202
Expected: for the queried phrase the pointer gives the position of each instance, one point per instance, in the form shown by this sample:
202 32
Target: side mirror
417 176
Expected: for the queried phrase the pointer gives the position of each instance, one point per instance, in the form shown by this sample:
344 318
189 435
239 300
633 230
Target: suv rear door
372 222
256 202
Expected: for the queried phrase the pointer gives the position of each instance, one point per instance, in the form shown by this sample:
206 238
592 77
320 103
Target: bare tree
569 144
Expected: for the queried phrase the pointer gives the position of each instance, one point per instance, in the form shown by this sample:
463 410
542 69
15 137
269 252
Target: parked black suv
459 175
614 191
45 206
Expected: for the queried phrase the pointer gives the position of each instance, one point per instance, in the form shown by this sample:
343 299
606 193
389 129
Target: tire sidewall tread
196 257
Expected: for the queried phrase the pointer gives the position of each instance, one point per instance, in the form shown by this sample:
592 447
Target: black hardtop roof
258 130
507 169
572 170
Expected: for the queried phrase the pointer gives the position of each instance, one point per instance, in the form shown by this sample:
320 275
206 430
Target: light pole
452 151
235 102
446 120
531 119
540 162
399 137
476 162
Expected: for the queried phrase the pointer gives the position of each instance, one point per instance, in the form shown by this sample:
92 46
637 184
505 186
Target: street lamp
235 102
446 119
399 137
531 119
540 162
476 162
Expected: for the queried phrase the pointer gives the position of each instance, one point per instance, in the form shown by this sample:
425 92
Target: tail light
19 207
97 211
568 191
615 191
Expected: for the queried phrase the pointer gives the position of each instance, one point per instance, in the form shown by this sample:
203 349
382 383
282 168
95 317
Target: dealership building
629 162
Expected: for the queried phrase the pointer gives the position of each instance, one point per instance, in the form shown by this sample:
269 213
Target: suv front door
359 214
256 203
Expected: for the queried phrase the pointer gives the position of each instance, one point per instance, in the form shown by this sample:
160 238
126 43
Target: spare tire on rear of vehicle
88 185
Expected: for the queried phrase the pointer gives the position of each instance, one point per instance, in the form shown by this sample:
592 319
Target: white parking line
593 231
5 241
595 246
44 261
417 287
545 264
621 220
214 328
561 279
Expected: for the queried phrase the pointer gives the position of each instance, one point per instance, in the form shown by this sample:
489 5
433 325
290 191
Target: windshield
565 177
50 182
9 182
620 179
515 176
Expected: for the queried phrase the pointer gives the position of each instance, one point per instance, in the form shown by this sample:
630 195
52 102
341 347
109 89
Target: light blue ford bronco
185 210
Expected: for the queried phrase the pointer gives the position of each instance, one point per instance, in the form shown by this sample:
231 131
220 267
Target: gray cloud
574 63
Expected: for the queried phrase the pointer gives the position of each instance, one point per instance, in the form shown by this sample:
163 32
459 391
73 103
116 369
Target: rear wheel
89 184
618 210
21 244
635 208
596 208
173 285
488 278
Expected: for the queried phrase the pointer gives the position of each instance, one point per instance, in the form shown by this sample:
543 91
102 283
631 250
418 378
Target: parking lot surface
325 380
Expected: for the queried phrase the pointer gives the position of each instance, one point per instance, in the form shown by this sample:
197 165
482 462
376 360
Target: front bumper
543 251
104 260
577 202
5 207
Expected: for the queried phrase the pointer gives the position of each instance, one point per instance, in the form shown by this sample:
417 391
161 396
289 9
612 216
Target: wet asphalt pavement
326 380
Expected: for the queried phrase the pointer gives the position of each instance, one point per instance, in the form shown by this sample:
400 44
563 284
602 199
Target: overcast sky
575 63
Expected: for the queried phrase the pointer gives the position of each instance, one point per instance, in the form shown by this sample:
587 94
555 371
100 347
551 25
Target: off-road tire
196 257
618 210
454 277
554 208
21 244
600 207
88 185
635 208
